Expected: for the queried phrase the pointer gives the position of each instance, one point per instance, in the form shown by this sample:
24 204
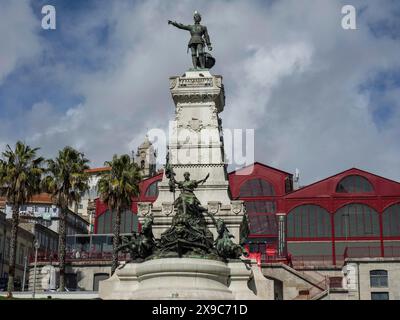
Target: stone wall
85 273
358 277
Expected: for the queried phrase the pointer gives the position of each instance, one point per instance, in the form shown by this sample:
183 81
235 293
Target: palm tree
66 180
116 189
20 175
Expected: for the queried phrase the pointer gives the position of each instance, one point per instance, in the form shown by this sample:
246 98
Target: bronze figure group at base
188 235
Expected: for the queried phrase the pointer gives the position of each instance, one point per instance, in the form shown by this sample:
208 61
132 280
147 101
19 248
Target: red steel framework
333 194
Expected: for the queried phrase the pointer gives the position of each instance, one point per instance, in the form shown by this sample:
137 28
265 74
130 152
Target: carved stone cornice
198 90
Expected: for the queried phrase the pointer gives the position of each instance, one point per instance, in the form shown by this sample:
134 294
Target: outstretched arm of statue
179 25
204 180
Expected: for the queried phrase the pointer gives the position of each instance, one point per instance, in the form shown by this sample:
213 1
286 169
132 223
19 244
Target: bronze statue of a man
199 37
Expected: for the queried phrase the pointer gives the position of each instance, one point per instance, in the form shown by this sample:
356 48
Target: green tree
20 176
116 189
66 180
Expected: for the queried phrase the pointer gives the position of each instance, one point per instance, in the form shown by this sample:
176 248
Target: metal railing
52 257
311 260
371 252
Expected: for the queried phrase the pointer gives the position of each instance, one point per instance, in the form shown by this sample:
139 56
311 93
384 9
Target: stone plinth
196 145
176 278
121 285
240 274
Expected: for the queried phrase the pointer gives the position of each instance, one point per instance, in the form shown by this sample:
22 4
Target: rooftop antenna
296 179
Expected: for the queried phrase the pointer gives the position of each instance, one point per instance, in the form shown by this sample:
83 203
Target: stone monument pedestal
196 145
179 278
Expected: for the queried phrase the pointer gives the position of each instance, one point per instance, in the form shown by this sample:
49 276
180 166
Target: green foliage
66 179
117 187
20 174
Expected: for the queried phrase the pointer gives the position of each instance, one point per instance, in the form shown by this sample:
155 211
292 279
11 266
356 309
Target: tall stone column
196 145
282 248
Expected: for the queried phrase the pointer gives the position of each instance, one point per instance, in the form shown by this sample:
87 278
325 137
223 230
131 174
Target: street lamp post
24 278
36 245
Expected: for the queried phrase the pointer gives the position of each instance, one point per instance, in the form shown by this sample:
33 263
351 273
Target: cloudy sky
320 98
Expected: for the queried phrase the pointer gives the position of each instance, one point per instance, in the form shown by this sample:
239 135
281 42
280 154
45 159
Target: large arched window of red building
309 222
391 221
354 184
105 222
152 190
259 199
356 220
260 206
261 215
357 231
256 188
309 233
391 230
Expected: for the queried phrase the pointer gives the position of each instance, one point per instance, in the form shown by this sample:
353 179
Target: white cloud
18 38
289 69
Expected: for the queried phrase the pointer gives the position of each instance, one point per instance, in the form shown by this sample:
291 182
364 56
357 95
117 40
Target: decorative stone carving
195 82
144 208
195 125
178 113
198 88
214 112
167 208
237 206
213 207
172 82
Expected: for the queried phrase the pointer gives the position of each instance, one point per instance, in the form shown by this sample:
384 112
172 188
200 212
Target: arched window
309 221
129 222
391 221
256 188
106 221
261 215
354 184
152 190
100 224
378 278
107 227
356 220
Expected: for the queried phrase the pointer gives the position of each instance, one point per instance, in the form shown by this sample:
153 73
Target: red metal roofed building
129 221
262 191
351 214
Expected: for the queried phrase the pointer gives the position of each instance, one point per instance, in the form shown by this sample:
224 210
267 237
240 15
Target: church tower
145 158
